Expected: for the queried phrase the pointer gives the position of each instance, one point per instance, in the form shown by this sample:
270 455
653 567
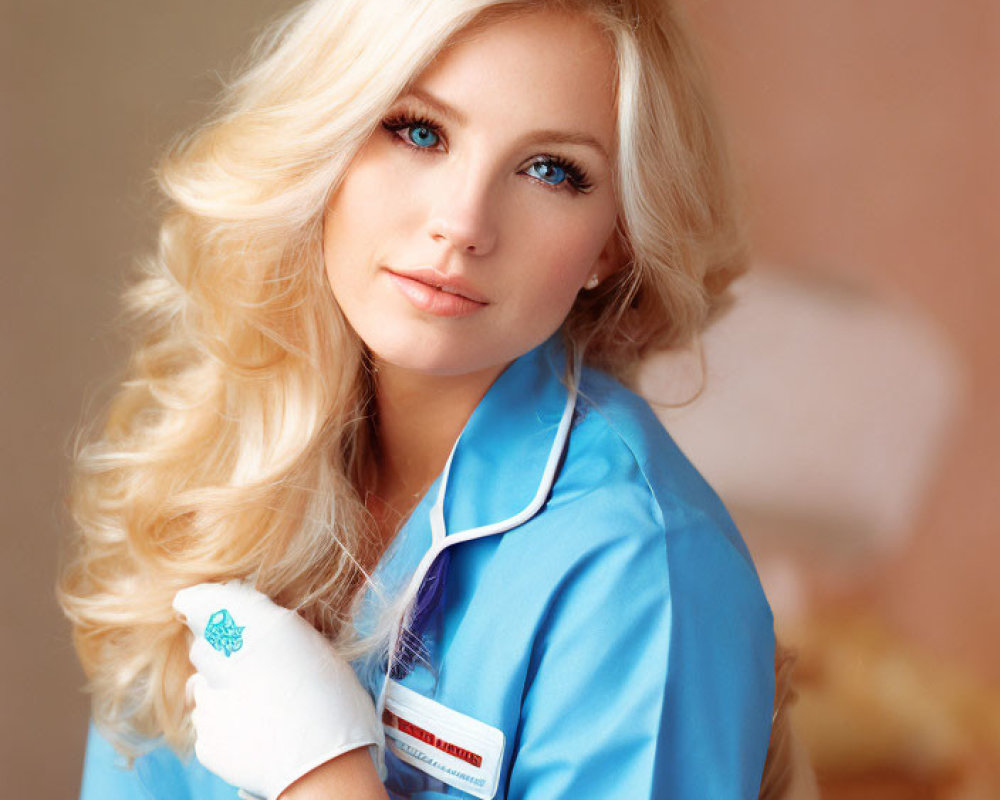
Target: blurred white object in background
823 413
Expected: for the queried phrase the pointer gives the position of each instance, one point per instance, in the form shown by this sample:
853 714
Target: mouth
436 293
449 284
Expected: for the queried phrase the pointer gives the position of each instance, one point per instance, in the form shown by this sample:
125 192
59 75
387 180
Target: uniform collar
501 469
498 476
499 473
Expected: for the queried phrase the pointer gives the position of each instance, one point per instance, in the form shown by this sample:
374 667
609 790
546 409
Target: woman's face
472 217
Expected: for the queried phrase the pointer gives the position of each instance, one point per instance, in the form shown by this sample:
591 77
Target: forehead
545 68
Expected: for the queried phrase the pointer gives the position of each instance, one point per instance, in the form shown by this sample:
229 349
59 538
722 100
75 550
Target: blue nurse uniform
590 623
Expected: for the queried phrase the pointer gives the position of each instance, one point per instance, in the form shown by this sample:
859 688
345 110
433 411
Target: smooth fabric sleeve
157 775
654 677
105 774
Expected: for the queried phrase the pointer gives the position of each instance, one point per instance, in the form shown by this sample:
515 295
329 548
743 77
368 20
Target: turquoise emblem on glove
223 633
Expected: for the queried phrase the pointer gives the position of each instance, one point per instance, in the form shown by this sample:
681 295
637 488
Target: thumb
200 605
220 612
226 619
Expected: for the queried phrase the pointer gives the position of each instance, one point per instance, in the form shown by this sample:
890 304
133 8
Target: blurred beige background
867 134
870 138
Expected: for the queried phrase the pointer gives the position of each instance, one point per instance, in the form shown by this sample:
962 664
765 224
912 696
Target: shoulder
624 471
628 509
657 607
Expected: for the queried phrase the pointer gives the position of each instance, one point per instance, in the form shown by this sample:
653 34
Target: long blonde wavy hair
240 438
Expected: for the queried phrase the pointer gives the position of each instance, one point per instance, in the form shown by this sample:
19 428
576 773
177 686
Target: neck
419 417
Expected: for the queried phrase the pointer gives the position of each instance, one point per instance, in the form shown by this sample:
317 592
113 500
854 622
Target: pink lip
436 293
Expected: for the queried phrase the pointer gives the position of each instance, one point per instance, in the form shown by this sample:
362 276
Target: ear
612 256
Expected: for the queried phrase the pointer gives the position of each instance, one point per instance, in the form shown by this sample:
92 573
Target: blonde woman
373 514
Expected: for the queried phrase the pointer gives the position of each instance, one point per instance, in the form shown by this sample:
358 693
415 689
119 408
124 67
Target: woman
375 382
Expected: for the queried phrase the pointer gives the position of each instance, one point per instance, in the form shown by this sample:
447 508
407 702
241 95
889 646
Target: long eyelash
404 119
575 174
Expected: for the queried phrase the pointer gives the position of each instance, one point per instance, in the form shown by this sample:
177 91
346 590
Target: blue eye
422 136
559 173
549 172
553 172
416 131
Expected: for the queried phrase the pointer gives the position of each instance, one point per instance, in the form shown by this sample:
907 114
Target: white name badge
450 746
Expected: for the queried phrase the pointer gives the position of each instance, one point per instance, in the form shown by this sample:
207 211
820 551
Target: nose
462 216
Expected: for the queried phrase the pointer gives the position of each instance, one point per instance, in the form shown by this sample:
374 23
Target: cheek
348 208
563 262
351 225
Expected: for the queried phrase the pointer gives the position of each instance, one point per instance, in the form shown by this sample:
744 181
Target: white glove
272 699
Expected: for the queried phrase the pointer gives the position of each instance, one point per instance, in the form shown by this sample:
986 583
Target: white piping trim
438 530
439 538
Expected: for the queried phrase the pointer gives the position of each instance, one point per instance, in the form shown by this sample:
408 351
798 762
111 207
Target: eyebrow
542 135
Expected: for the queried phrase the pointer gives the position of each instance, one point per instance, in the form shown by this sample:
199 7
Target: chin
431 358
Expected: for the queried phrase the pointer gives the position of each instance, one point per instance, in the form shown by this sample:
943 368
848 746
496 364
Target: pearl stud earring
592 282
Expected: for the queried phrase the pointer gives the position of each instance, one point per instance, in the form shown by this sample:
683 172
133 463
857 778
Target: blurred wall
92 92
867 132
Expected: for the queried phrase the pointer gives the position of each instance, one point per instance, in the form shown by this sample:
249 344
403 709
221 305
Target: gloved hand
272 698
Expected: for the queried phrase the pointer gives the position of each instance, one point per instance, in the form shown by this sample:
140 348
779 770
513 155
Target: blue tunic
597 609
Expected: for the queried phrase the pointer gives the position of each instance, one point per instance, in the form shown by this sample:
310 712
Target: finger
194 690
205 718
202 745
191 604
197 603
219 614
201 603
216 657
226 644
